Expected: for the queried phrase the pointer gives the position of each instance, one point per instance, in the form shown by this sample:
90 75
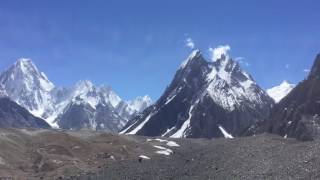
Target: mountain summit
27 86
204 99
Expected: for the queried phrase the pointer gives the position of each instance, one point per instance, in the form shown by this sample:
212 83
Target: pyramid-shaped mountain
205 99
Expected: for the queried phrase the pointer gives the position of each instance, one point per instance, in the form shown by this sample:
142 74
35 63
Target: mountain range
205 99
82 106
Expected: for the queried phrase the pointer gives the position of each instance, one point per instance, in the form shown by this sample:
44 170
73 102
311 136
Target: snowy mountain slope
30 88
27 86
202 97
279 92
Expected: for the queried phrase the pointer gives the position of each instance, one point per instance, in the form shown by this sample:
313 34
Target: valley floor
59 154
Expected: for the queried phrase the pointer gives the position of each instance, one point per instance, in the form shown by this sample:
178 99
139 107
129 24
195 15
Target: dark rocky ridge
13 115
297 115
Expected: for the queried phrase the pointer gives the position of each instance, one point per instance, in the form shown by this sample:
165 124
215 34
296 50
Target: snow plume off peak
219 51
190 43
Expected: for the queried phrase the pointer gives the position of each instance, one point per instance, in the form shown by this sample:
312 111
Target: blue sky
136 46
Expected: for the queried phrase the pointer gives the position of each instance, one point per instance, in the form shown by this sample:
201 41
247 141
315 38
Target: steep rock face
14 116
205 99
297 114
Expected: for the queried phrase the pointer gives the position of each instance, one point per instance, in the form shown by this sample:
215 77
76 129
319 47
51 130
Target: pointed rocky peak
315 70
24 73
205 99
84 84
27 86
83 87
194 55
25 64
230 71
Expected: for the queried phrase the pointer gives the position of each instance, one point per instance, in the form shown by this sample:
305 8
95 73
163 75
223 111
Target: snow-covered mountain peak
193 55
280 91
86 91
140 103
204 99
27 86
30 88
229 85
285 83
225 81
23 62
84 85
24 69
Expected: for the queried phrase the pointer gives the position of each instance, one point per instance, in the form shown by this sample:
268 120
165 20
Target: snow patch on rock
225 133
163 150
144 157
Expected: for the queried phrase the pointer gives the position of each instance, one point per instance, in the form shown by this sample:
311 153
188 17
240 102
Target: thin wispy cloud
190 43
306 70
242 61
217 52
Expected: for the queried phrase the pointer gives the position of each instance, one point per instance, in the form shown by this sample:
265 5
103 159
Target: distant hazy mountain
205 99
279 92
14 116
132 108
98 107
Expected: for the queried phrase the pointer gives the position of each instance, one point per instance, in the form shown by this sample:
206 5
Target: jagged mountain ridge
297 114
30 88
205 99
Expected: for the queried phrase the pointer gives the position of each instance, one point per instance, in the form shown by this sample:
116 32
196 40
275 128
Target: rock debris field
60 154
